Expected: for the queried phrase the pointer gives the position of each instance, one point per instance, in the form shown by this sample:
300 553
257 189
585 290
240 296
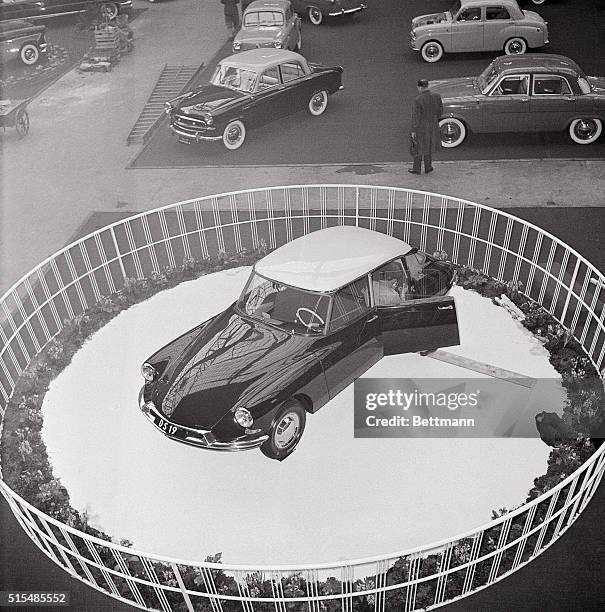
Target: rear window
263 18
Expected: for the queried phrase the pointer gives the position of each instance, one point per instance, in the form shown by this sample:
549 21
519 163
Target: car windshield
263 18
293 310
487 77
234 77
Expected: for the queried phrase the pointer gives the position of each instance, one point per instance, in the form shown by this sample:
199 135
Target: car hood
431 19
208 99
229 363
258 35
597 84
455 88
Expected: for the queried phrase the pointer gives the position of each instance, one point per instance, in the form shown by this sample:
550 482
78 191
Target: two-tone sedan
269 23
314 315
250 89
478 25
526 93
317 10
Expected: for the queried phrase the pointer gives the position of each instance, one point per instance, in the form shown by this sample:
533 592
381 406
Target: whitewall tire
234 135
585 130
318 103
515 46
431 51
453 132
315 15
29 54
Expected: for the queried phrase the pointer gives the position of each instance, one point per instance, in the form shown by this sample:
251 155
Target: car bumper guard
343 11
197 137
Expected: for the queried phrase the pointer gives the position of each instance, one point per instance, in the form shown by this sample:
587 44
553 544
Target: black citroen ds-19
314 315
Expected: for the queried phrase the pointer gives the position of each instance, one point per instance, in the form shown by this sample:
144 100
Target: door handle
570 99
450 307
372 318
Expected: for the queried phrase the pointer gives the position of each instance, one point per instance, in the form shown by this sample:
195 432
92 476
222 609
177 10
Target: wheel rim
287 430
585 129
515 47
318 102
110 10
29 54
450 132
431 51
315 15
234 134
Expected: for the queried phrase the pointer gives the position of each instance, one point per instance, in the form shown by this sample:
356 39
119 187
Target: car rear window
263 18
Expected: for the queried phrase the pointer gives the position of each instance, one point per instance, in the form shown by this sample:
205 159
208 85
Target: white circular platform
334 498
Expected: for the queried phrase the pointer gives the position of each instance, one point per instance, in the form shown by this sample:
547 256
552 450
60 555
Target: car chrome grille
191 123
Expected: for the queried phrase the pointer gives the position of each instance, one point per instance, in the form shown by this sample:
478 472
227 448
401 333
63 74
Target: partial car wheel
286 431
585 131
234 135
515 46
29 54
318 103
298 46
538 2
315 15
110 10
22 123
453 132
431 51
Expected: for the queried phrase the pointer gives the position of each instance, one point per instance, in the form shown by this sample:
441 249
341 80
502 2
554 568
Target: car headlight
167 107
243 417
237 45
149 372
209 119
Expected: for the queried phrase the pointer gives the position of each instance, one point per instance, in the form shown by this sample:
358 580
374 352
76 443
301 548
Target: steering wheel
313 314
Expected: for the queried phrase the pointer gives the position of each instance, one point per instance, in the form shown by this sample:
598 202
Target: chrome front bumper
193 138
361 7
194 437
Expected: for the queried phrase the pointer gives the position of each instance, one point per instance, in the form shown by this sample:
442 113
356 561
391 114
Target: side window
584 85
470 14
425 279
513 85
493 13
390 284
291 71
545 85
269 78
349 303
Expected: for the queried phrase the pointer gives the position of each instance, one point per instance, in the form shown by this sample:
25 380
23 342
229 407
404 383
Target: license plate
169 428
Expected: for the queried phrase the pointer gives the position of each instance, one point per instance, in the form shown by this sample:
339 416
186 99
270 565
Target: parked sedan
250 89
316 10
269 23
528 93
314 315
39 9
23 40
478 25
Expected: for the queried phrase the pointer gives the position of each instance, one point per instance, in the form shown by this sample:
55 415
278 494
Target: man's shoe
413 171
429 170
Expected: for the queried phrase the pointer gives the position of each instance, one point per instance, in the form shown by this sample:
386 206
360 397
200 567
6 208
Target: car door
296 86
267 103
351 346
498 27
467 30
553 103
19 9
506 108
423 324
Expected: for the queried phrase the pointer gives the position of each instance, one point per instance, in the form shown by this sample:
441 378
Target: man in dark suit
426 112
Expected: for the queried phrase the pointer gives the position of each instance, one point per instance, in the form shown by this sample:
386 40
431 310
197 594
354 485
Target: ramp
172 81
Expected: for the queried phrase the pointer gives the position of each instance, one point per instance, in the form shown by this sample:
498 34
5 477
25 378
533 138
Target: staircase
173 80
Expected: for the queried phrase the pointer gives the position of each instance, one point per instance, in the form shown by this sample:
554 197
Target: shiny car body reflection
526 93
314 315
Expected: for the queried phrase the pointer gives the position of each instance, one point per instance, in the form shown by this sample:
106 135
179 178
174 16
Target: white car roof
330 258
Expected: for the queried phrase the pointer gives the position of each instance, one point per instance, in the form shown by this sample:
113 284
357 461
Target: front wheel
318 103
515 46
431 51
29 54
286 431
110 10
315 15
585 131
234 135
453 132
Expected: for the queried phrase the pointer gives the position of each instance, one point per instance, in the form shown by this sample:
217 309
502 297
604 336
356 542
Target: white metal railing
35 309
